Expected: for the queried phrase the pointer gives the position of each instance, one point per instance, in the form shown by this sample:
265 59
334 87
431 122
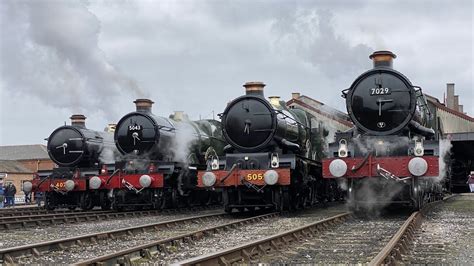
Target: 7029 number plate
380 91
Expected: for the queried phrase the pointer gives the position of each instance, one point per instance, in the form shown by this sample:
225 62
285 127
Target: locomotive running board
387 175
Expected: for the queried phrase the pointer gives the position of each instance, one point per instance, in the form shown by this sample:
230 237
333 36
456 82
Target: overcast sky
96 57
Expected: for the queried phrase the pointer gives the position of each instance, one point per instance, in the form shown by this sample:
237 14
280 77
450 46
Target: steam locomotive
79 153
391 155
269 162
160 159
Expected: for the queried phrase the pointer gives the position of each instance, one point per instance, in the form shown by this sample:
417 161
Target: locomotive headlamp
69 185
95 182
145 180
270 177
275 162
338 168
417 166
209 179
215 164
27 186
419 150
342 152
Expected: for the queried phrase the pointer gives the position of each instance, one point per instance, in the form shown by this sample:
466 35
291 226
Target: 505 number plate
254 177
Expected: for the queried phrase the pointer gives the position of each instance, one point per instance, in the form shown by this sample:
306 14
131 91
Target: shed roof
23 152
13 167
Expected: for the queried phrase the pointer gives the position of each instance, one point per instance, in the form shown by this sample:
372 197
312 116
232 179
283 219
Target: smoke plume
444 156
50 50
184 139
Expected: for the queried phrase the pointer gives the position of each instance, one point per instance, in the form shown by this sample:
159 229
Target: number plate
254 177
59 184
134 128
380 91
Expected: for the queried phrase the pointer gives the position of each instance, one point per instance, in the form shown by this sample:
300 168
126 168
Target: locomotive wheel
225 200
105 203
49 202
285 200
86 202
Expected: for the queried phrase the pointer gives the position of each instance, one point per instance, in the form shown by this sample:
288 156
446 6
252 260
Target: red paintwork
46 186
395 165
235 178
116 182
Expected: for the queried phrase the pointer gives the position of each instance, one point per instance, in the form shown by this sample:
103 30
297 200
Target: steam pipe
417 127
290 145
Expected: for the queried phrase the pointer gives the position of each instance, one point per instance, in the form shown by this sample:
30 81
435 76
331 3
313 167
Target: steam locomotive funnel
383 58
78 120
254 88
143 105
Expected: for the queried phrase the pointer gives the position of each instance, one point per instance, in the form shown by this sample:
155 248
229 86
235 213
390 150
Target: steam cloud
444 153
50 50
310 35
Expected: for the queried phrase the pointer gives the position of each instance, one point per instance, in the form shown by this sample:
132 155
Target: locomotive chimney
254 88
295 95
78 120
143 105
383 58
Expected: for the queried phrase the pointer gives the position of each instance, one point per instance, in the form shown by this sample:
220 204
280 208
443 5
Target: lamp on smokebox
104 169
342 152
419 149
275 161
215 164
151 168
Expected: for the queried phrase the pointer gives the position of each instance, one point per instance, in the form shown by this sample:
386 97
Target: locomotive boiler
269 161
391 154
79 154
161 157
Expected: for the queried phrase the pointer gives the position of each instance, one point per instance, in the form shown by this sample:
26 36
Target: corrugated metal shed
23 152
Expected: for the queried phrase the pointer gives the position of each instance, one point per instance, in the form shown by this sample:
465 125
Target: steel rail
147 251
6 209
245 253
52 219
401 240
11 255
34 212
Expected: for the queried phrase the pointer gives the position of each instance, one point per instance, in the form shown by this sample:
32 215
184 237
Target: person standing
27 197
38 198
10 194
470 181
2 196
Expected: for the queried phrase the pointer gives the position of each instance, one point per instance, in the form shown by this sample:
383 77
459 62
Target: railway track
77 247
38 211
161 242
6 209
28 221
340 239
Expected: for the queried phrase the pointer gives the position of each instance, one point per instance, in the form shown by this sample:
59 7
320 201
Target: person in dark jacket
10 192
2 196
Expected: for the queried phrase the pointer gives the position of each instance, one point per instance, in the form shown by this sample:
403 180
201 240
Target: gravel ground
76 254
446 235
19 237
353 242
251 232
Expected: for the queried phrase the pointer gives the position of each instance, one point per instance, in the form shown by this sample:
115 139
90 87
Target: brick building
20 162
